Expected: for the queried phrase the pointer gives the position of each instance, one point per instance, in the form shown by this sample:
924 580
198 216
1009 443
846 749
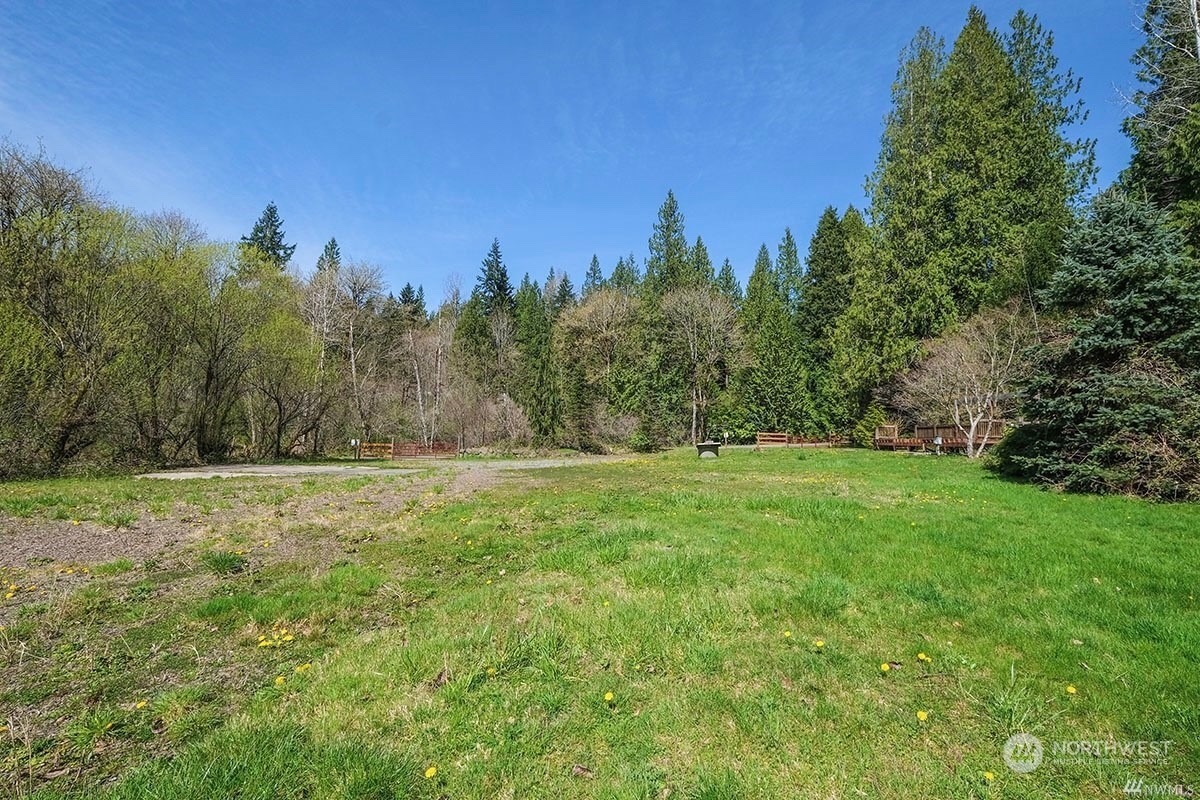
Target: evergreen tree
980 160
825 290
330 258
267 237
772 388
668 266
474 348
594 278
495 290
1114 403
790 271
727 284
626 277
1165 130
908 195
535 386
408 295
701 273
1055 170
564 294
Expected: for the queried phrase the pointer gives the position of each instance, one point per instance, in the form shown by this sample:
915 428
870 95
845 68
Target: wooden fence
394 450
924 437
790 440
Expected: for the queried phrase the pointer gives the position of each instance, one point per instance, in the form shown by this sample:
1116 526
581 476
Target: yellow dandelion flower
140 704
491 670
263 643
429 773
787 634
8 596
819 643
303 667
989 776
884 667
608 697
922 716
1071 689
288 638
489 582
280 680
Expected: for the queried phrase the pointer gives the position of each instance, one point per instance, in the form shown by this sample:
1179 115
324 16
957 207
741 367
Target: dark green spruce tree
727 284
331 257
535 386
669 264
494 288
267 238
593 279
1114 401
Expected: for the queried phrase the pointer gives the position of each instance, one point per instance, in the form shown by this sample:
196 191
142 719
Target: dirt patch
26 542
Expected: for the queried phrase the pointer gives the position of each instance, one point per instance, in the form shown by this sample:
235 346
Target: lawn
661 627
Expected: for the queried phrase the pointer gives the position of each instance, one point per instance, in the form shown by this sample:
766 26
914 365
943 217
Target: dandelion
923 657
429 773
819 643
489 582
922 716
491 670
989 776
303 667
885 667
608 697
263 642
288 637
787 634
280 680
140 704
1071 689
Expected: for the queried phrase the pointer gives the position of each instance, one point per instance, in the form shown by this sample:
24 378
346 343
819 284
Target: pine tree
495 290
908 195
825 290
626 277
535 386
773 387
1055 170
331 257
1114 403
668 265
594 278
727 284
1165 130
701 272
267 237
564 294
790 271
979 160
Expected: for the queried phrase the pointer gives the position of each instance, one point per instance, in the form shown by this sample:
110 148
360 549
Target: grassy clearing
666 626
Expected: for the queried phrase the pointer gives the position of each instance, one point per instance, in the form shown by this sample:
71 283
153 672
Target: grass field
663 627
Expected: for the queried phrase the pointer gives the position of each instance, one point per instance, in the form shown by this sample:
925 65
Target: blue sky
417 133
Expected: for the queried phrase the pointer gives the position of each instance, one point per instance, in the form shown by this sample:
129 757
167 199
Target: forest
986 278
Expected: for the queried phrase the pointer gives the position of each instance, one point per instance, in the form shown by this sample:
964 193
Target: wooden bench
761 439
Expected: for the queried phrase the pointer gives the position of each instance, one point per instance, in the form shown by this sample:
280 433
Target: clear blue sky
417 133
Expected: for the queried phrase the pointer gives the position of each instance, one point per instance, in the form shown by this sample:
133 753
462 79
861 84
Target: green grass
481 635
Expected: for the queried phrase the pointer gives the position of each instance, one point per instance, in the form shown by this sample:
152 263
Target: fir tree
625 277
267 238
790 271
668 265
535 387
594 278
1114 403
825 290
495 290
701 273
331 257
727 284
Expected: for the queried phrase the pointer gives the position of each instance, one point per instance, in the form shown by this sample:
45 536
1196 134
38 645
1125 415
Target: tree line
132 339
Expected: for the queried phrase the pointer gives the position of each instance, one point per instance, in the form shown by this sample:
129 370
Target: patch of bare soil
30 541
